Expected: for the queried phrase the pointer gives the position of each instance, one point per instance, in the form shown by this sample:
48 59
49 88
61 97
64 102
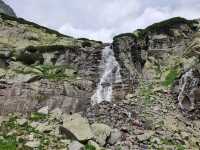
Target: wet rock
78 127
189 96
101 133
75 145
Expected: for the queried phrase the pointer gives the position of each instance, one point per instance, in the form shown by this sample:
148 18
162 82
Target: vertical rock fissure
110 74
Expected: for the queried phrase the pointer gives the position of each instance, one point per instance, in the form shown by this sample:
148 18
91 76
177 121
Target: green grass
171 77
37 116
8 143
89 147
146 91
50 72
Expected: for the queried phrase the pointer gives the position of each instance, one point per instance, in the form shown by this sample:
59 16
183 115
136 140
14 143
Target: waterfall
110 73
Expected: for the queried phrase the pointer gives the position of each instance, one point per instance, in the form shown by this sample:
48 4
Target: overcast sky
102 19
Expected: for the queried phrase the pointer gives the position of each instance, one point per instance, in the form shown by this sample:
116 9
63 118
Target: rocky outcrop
152 45
160 54
189 96
6 9
41 67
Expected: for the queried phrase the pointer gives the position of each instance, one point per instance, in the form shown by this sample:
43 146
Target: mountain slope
6 9
46 76
43 59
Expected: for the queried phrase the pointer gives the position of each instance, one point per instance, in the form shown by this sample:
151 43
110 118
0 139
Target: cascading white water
110 74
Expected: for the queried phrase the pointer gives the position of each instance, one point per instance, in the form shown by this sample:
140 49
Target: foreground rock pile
54 130
132 124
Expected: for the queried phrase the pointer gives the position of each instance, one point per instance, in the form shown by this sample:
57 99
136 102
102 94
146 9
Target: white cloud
102 19
100 34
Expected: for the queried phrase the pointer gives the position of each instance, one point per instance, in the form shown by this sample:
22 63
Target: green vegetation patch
8 143
171 77
48 48
50 72
89 147
37 116
146 91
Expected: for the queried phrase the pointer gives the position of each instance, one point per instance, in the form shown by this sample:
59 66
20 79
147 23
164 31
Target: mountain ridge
6 9
47 80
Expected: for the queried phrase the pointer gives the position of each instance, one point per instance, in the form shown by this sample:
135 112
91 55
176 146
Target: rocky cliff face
169 37
6 9
160 54
45 76
42 67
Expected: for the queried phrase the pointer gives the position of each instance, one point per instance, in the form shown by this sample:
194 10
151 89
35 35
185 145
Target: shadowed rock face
189 95
6 9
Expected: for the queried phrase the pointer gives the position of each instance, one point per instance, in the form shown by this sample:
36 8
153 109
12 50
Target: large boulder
101 133
75 126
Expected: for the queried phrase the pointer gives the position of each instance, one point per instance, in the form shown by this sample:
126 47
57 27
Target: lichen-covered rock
114 136
77 127
101 133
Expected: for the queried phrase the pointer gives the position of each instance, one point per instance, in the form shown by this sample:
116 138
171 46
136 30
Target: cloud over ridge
102 19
